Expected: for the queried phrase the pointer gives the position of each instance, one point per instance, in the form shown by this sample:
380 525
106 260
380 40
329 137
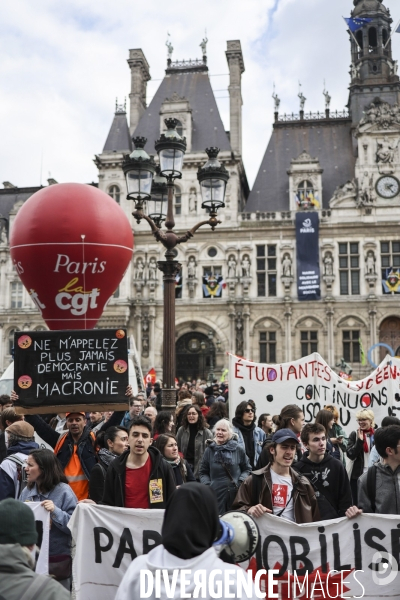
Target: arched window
178 201
372 38
360 39
115 193
384 37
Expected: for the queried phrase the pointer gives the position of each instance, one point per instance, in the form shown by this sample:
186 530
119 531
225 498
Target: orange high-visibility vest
74 472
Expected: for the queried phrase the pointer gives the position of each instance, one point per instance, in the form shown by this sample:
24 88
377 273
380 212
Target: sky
63 64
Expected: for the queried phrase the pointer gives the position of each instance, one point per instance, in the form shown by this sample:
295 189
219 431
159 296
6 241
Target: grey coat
387 497
65 502
215 475
182 437
16 576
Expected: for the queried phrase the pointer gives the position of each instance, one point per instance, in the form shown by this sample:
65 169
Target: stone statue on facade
287 266
232 265
170 48
245 265
191 267
328 264
139 269
277 100
386 151
193 201
203 46
302 98
370 261
327 98
152 269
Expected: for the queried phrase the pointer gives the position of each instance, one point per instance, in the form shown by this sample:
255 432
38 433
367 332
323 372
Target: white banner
108 538
42 518
311 384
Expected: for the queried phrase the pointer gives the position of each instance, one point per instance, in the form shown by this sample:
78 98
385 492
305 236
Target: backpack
371 486
21 473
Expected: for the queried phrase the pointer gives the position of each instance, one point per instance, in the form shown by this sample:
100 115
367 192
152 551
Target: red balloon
71 244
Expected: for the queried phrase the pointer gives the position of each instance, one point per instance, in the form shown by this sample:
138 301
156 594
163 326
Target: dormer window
306 196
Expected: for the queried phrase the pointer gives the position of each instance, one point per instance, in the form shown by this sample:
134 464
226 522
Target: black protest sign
70 370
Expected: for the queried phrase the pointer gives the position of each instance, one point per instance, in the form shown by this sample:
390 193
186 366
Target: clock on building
388 186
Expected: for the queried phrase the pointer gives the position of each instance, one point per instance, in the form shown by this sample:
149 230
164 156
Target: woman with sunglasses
250 437
359 448
192 437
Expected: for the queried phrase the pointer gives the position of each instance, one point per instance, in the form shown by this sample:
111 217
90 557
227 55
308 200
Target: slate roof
8 197
328 140
119 139
208 129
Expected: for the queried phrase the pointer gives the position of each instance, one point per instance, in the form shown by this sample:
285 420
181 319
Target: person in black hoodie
326 473
140 477
110 444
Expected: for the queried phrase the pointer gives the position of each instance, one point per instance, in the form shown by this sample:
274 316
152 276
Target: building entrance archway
389 333
195 356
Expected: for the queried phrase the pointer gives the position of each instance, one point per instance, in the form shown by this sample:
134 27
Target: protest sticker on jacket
107 540
339 557
42 518
311 384
70 369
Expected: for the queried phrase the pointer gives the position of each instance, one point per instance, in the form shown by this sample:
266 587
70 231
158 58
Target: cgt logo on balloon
73 258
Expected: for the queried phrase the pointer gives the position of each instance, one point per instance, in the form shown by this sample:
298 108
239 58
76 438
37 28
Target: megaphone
238 535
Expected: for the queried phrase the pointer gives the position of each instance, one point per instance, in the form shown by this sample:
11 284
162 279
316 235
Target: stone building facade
345 166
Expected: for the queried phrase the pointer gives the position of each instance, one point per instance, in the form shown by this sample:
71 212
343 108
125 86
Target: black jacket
86 452
355 451
330 482
114 488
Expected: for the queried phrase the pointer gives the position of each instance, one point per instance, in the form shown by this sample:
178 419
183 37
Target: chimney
234 57
140 75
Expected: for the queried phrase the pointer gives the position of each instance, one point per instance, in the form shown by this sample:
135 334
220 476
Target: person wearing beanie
21 442
18 537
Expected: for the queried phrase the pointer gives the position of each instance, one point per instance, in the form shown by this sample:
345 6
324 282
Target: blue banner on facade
308 275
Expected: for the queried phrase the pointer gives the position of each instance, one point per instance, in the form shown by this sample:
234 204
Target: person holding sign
139 477
46 483
74 448
277 488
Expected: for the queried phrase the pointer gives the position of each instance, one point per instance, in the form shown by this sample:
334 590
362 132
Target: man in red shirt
140 477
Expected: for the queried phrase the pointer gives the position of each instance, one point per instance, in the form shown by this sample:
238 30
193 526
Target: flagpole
351 33
391 35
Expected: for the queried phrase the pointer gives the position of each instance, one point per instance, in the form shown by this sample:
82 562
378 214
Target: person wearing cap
18 537
21 442
277 488
74 448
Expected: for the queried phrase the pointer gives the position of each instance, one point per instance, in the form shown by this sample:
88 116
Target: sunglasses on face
248 410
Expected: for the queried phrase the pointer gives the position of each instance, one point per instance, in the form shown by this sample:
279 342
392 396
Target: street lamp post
157 196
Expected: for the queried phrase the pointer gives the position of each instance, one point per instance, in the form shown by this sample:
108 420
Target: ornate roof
118 139
365 6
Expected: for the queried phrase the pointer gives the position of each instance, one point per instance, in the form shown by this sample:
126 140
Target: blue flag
357 23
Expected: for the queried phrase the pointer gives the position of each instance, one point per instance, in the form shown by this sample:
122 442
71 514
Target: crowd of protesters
266 464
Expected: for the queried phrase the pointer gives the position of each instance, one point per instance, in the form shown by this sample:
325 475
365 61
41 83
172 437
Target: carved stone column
3 286
152 317
246 331
2 353
329 311
372 328
288 332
